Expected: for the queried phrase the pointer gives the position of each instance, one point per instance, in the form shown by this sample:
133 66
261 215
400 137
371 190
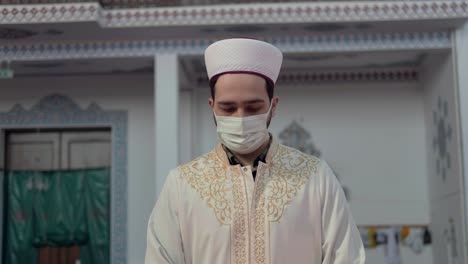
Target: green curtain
97 199
20 200
58 208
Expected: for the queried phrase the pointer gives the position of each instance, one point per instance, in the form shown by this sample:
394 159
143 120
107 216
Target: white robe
210 212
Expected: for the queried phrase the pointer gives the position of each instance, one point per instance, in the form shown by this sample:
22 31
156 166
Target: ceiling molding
264 13
289 44
338 76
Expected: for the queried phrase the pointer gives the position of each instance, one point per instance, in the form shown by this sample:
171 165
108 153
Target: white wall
462 83
126 92
447 195
373 135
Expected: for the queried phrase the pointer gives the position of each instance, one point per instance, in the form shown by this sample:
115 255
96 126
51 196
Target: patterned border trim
381 75
58 13
237 14
60 111
315 43
363 75
287 13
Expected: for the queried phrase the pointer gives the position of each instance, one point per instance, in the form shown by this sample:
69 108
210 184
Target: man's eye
229 110
253 110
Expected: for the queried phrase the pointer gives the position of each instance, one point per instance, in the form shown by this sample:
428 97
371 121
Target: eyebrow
253 101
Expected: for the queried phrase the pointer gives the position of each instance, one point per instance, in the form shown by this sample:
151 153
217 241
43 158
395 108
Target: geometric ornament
442 138
14 33
450 237
295 136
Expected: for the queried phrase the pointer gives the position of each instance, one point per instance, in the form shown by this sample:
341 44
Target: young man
250 200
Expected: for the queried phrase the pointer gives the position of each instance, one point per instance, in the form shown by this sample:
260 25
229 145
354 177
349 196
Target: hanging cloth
415 240
392 249
58 208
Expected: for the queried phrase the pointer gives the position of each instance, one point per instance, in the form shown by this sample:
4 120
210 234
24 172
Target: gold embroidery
240 225
209 178
287 174
223 191
259 220
216 184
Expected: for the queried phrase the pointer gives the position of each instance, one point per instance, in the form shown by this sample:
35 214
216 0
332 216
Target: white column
2 184
166 107
461 78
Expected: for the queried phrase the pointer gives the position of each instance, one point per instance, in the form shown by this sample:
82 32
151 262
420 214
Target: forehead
240 85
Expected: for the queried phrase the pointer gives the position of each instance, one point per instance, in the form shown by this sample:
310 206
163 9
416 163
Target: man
250 200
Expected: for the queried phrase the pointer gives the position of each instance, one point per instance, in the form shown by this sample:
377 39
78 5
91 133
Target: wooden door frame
60 112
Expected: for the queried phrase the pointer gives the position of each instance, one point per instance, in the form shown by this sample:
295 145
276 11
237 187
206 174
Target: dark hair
268 85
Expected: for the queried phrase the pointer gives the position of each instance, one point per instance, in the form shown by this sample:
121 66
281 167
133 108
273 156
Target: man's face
241 95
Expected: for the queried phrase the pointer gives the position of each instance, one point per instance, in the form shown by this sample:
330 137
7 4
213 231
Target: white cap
241 55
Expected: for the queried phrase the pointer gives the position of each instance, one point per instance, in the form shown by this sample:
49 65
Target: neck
249 158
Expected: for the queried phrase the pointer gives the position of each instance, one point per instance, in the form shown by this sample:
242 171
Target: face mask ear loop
269 110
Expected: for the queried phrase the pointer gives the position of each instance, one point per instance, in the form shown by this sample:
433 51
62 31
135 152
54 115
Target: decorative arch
58 111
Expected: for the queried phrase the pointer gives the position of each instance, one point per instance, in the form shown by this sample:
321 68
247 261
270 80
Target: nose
240 113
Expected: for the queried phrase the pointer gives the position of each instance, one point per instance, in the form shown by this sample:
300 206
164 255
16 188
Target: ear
211 102
274 102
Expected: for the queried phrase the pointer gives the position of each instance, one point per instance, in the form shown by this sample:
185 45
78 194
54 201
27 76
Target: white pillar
166 107
2 184
461 58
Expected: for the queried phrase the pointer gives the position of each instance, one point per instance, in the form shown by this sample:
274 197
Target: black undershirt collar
235 161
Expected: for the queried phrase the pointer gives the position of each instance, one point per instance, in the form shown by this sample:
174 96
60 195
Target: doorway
76 162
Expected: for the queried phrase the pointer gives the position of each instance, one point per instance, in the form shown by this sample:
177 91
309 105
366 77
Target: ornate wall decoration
348 76
291 44
36 2
442 138
14 33
363 75
450 236
298 12
51 13
59 111
295 136
242 13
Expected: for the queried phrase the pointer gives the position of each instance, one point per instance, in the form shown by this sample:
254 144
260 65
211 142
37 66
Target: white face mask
242 135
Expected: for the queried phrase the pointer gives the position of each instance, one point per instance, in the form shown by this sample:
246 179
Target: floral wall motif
296 136
442 137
